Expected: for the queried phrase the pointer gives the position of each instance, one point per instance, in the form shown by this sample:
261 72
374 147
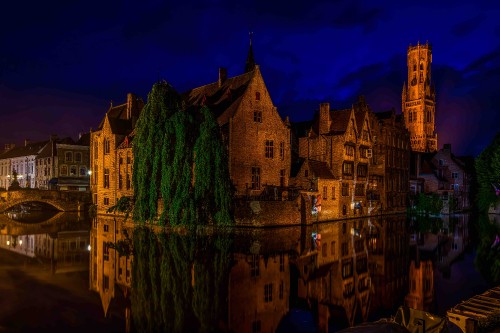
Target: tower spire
250 63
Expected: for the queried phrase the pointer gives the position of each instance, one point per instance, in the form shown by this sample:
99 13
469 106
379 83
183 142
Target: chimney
324 118
130 105
26 142
222 75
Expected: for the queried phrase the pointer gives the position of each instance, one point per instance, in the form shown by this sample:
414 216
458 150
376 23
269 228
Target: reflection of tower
421 291
419 99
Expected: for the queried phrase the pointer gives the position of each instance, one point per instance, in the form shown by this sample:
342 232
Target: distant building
64 164
20 159
444 174
419 99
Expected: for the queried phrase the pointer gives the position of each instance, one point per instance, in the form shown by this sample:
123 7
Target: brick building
256 137
389 170
419 99
344 143
442 173
106 159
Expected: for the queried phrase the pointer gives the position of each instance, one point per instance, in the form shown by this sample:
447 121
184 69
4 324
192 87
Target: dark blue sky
62 62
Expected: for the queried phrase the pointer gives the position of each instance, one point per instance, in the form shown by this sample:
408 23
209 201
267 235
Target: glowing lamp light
89 172
20 242
8 243
88 248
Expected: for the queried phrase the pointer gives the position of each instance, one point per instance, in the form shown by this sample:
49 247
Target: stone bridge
60 200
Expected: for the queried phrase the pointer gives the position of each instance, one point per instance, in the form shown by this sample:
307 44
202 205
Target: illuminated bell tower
419 99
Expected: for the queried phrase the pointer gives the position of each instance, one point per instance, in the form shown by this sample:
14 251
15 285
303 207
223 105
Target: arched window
68 156
78 157
257 96
421 66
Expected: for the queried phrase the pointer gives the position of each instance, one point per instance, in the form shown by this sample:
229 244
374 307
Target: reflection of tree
179 282
488 258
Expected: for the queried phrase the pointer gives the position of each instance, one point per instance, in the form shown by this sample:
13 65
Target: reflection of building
109 272
259 288
421 290
333 272
419 100
67 251
387 242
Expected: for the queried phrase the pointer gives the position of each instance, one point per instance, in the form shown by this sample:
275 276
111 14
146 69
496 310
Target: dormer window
257 96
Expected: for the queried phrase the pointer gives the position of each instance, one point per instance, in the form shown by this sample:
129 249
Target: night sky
61 63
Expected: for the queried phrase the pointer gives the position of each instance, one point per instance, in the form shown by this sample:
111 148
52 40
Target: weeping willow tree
179 282
179 159
212 187
149 155
488 173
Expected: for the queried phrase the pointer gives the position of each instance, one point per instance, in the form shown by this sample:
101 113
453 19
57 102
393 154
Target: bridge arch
62 201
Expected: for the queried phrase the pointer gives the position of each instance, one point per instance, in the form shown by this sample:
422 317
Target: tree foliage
179 159
488 172
429 204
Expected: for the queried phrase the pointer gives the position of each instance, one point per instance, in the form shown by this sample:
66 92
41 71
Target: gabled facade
336 139
256 137
113 130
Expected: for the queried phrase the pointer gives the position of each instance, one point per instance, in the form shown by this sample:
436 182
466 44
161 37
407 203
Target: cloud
466 27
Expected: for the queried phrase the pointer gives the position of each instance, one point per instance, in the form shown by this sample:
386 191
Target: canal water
64 271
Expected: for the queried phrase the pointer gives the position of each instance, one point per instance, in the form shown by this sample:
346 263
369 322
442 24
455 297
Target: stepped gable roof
27 150
222 100
320 169
340 121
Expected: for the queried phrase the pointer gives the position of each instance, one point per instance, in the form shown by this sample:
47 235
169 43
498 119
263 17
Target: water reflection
60 239
249 280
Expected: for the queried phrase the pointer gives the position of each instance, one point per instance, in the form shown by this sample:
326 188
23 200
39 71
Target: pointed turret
250 63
